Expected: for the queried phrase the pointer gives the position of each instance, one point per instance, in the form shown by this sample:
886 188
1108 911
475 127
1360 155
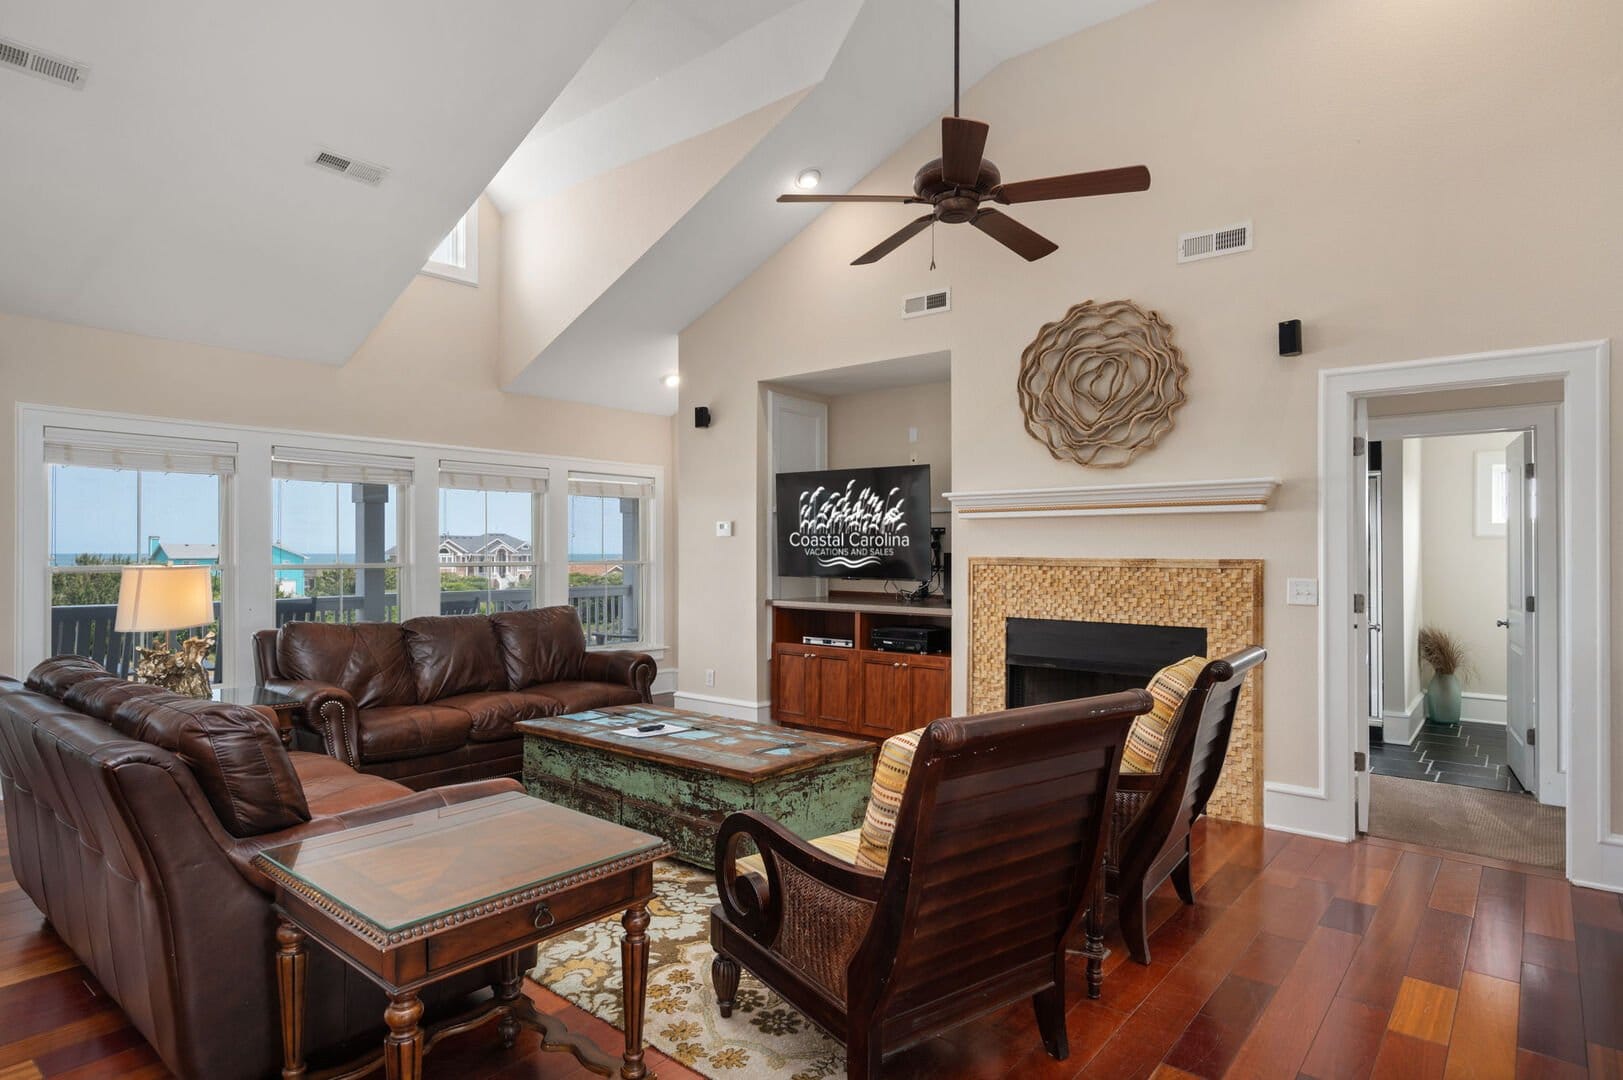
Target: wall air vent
27 60
354 168
930 303
1229 240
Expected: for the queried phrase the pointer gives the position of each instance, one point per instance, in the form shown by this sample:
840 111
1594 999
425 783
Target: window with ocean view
490 519
608 555
115 502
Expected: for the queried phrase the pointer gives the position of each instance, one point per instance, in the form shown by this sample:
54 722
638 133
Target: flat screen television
855 523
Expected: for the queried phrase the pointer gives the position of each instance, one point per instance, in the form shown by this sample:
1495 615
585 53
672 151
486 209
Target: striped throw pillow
1151 734
885 799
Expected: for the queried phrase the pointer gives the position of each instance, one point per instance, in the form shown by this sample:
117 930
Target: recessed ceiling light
672 379
808 179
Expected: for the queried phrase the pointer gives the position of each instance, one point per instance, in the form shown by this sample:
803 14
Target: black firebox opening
1060 659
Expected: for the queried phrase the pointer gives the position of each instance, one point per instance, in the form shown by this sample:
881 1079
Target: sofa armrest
633 669
328 711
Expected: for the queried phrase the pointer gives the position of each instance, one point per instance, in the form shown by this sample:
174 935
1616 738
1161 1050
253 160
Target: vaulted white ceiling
172 195
889 76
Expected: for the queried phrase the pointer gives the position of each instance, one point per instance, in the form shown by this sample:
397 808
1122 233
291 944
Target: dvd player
910 639
835 642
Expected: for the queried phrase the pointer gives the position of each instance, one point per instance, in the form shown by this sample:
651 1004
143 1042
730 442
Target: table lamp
156 600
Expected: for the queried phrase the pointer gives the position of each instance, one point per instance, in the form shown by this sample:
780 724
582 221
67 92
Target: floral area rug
765 1039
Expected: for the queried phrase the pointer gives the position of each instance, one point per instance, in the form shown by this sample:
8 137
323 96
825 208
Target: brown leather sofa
433 700
132 816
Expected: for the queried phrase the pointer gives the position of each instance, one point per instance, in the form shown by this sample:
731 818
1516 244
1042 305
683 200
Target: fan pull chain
932 245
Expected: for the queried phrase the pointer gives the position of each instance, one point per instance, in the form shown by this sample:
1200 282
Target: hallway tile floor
1468 753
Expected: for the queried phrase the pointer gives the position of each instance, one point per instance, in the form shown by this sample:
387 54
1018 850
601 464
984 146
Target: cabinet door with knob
886 702
929 690
813 686
792 685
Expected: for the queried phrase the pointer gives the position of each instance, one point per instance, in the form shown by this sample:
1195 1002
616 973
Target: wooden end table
682 786
285 707
411 901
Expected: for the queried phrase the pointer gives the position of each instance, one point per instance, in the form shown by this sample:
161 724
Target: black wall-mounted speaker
1290 337
701 416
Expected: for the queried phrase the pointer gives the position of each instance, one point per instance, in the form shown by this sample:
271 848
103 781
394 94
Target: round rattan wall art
1099 386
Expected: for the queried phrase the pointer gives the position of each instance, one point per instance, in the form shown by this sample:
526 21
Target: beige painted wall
871 429
1462 574
427 373
562 252
1425 180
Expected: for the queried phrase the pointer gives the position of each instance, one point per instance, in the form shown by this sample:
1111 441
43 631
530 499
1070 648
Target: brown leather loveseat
433 700
133 815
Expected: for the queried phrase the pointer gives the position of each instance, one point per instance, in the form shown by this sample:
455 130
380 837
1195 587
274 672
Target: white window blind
611 487
301 463
117 450
479 476
453 250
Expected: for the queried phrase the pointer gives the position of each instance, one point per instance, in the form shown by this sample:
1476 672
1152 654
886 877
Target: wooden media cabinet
856 690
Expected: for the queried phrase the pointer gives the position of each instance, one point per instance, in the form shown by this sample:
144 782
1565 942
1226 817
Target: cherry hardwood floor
1300 958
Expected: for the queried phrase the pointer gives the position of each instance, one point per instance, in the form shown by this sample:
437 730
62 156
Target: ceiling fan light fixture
808 179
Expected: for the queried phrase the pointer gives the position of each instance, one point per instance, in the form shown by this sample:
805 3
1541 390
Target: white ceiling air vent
1229 240
930 303
364 171
15 56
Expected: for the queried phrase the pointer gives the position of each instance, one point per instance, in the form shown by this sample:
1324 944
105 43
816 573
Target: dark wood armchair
1002 825
1154 812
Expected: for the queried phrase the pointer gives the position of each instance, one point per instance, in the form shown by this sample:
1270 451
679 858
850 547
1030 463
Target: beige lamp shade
154 598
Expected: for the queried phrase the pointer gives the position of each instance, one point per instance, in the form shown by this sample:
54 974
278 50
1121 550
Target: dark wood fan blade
850 198
1029 245
962 143
1075 185
894 241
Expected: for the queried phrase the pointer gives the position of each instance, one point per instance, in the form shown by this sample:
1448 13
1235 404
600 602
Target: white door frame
1594 851
1545 423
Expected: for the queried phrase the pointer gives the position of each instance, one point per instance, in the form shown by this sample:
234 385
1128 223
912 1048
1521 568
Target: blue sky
95 510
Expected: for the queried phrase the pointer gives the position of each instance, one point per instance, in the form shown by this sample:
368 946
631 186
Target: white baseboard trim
665 681
1303 811
1484 708
1600 885
736 708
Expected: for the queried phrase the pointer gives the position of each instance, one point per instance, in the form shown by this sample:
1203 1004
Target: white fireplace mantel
1092 500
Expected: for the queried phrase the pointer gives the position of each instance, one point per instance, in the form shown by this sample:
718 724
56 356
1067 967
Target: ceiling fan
961 179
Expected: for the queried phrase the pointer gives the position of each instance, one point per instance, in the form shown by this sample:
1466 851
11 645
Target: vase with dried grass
1450 661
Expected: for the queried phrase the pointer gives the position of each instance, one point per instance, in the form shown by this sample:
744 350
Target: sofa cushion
331 787
100 697
454 654
576 696
542 645
407 731
58 675
885 799
367 659
494 712
1151 733
234 752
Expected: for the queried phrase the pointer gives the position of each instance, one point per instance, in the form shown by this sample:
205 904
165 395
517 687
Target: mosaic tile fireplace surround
1221 596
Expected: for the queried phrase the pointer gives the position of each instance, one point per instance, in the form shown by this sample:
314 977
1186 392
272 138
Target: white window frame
247 498
463 275
225 561
450 470
644 562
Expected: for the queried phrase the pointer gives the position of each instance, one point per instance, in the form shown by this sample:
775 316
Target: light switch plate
1302 591
724 528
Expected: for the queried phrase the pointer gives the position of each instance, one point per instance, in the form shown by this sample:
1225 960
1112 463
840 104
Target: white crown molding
1092 500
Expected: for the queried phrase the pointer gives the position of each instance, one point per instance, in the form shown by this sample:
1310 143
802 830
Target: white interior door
1521 615
797 441
1360 577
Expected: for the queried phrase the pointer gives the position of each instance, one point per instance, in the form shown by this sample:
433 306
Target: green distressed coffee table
682 786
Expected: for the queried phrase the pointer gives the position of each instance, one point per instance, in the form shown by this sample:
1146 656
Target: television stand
857 690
